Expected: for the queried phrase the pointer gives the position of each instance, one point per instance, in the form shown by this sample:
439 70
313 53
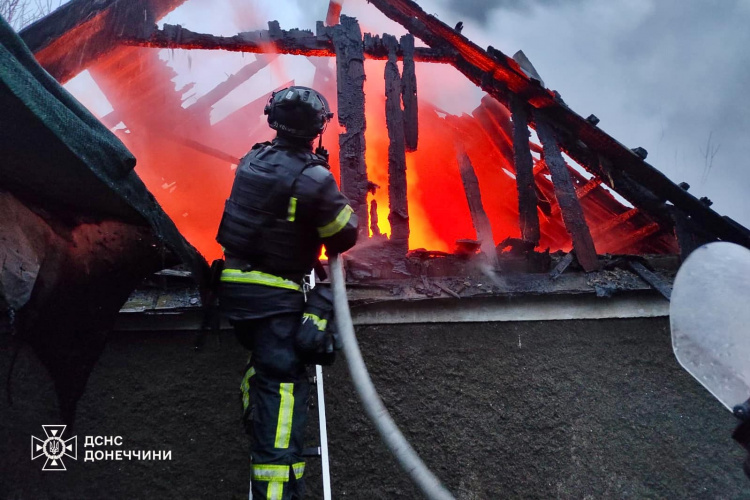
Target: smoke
477 9
666 75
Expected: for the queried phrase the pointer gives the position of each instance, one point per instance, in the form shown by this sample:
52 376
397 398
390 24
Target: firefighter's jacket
283 207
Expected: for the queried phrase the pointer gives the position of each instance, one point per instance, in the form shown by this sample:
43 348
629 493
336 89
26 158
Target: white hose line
376 411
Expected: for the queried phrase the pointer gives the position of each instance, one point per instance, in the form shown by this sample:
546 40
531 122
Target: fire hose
410 462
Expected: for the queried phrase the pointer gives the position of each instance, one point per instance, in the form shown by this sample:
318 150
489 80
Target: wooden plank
637 236
409 94
653 279
374 218
614 222
689 236
293 41
561 266
572 212
524 165
496 133
79 33
350 79
202 148
588 188
394 119
206 101
474 198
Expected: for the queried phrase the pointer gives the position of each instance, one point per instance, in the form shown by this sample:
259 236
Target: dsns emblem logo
54 447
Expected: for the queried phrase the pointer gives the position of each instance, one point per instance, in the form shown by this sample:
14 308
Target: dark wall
568 409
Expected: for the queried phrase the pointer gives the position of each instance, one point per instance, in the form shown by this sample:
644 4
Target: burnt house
521 219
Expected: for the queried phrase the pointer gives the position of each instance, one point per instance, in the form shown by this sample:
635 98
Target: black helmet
298 111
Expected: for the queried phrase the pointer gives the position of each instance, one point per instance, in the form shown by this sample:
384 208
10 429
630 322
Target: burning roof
422 176
429 187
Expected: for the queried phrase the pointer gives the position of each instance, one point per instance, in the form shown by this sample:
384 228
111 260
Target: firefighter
284 205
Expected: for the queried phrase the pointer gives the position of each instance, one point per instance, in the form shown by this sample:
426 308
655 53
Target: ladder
322 449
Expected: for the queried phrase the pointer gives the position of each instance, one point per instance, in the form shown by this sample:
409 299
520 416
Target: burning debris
431 189
448 178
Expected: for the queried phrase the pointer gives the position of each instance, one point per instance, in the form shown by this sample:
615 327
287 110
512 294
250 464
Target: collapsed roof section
518 194
78 229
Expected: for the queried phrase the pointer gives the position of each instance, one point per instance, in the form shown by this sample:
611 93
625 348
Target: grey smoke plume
667 75
478 9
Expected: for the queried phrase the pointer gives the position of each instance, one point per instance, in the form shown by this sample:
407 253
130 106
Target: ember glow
186 161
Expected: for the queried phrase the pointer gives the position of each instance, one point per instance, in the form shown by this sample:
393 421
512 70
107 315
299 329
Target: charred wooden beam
500 76
474 198
527 197
205 102
636 237
394 119
588 188
689 237
77 34
502 116
657 282
409 94
582 191
202 148
350 78
572 212
616 221
496 133
561 266
274 39
374 218
294 41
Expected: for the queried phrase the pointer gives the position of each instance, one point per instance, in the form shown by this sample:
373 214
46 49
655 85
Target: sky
666 75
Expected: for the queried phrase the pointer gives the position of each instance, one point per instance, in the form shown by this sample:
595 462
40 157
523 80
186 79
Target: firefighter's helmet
298 112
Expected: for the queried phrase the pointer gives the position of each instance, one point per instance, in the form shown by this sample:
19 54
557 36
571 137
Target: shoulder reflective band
336 224
258 278
317 320
264 472
286 408
292 212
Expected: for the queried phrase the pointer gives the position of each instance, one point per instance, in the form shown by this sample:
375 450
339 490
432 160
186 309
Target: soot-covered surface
569 409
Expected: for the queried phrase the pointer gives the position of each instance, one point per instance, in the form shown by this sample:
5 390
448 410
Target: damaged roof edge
92 163
75 35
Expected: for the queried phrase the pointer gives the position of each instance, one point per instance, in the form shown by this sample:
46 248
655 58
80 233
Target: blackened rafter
602 155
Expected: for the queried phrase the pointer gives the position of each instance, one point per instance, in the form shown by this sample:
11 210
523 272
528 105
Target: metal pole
323 434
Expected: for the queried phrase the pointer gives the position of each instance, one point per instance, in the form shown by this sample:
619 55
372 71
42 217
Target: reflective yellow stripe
292 209
257 278
245 387
299 469
286 408
319 322
275 491
336 224
264 472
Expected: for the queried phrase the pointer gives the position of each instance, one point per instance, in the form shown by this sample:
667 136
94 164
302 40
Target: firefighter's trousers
275 392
